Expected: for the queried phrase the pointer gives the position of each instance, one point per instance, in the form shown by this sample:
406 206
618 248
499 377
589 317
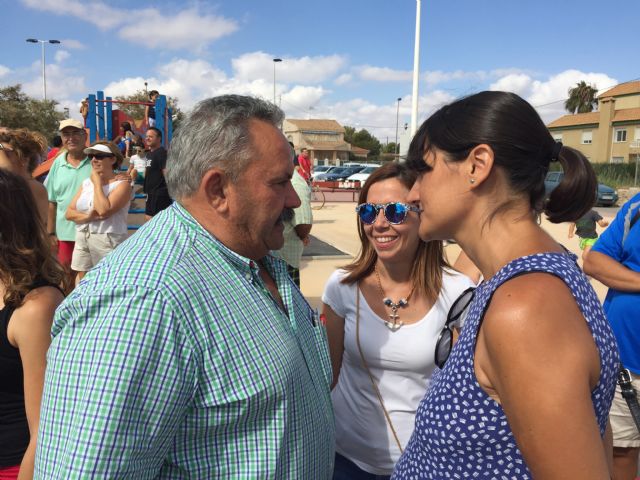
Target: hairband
556 151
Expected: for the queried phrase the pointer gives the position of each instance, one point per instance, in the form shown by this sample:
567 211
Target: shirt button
248 276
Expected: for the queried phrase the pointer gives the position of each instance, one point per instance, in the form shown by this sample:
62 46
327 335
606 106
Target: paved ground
335 224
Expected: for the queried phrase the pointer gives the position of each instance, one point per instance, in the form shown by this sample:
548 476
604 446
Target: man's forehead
71 130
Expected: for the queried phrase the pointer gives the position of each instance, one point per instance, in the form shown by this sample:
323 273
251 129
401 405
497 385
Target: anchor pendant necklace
395 323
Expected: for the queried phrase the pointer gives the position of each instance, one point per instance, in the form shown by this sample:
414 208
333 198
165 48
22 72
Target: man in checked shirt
196 358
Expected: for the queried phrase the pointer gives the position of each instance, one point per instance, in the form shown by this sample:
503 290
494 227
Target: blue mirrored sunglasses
394 212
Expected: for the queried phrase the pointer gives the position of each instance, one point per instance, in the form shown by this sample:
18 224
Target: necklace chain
395 323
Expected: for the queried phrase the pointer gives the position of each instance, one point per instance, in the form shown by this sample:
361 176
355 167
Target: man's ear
215 187
479 164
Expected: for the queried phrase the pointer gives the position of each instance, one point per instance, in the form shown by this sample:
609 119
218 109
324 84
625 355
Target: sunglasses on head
100 156
445 339
394 212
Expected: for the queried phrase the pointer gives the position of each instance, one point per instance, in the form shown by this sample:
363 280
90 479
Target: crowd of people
187 350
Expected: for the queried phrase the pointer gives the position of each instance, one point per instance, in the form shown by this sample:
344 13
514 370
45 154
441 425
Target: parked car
318 169
606 196
363 174
338 175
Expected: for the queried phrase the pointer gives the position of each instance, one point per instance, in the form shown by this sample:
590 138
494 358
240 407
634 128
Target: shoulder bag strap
629 394
366 367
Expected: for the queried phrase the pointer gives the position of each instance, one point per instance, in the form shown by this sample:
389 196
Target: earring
472 180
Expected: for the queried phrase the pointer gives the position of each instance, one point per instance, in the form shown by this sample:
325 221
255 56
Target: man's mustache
287 215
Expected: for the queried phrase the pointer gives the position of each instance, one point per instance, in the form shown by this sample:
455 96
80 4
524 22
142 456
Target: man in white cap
65 177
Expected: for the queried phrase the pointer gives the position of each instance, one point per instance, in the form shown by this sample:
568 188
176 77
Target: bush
616 175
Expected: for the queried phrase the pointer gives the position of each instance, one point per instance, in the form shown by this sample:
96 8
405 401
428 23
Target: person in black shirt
585 228
154 184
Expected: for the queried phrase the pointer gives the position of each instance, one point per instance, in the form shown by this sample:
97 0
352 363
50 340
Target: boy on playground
585 228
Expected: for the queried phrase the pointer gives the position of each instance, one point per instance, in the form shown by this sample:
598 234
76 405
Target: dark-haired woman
384 314
29 294
99 208
526 391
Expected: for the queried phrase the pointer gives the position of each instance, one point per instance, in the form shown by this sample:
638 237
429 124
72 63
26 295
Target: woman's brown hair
25 254
426 272
28 146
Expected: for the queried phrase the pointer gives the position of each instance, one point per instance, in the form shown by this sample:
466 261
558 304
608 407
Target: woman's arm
133 173
73 215
535 355
611 273
30 331
335 335
117 199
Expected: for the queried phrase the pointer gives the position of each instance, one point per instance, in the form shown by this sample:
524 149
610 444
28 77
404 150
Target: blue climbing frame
99 117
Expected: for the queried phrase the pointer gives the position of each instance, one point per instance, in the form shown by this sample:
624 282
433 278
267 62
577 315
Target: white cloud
73 44
305 70
4 71
548 96
63 85
61 56
190 28
438 76
97 13
343 79
383 74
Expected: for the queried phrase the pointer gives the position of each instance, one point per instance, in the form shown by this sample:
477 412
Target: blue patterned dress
461 432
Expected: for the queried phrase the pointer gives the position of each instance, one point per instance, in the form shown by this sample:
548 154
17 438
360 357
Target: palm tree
582 98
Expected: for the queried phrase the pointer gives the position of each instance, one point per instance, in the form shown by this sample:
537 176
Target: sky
348 60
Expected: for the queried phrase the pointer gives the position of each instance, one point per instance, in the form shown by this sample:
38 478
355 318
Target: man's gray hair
215 134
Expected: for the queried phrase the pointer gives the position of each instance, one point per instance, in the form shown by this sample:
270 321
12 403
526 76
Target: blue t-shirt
623 308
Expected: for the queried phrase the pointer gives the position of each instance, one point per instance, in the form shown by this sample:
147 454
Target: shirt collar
66 163
243 264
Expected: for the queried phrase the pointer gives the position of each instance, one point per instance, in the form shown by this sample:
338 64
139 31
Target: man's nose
292 199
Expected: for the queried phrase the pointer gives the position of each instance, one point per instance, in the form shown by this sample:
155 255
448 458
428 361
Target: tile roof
575 119
627 114
317 125
359 150
341 146
622 89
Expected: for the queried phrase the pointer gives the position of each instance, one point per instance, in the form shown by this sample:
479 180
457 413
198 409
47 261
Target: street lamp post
395 149
275 60
44 73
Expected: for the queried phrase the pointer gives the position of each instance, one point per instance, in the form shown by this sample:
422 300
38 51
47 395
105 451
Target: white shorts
90 248
625 432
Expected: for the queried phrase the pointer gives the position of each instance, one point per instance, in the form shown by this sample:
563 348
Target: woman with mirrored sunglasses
526 390
99 208
384 313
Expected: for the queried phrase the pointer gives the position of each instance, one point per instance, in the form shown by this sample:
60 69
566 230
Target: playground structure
103 121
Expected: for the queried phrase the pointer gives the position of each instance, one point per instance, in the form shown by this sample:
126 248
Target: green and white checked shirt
291 252
179 364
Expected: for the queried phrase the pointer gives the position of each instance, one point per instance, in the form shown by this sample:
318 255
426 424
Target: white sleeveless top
401 362
116 223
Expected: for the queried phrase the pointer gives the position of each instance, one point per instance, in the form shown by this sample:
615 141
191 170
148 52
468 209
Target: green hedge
616 175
